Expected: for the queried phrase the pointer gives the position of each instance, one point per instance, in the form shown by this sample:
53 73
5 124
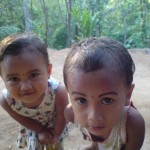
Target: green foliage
135 41
8 30
127 21
85 21
60 38
11 13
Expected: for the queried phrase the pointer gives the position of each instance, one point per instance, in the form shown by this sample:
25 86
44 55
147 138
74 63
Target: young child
98 74
33 99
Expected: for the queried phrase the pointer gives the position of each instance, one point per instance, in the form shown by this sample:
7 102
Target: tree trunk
68 24
48 35
125 23
62 18
26 16
143 17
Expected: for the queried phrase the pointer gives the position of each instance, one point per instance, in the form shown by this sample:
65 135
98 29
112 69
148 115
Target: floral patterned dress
44 114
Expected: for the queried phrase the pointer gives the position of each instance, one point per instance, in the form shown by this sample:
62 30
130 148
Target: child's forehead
95 83
104 74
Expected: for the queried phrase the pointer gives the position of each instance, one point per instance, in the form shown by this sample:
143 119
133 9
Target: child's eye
14 79
33 75
107 101
81 101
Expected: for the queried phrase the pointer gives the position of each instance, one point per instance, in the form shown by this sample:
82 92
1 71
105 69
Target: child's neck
35 104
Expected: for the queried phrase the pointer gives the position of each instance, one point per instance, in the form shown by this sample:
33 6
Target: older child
30 97
98 74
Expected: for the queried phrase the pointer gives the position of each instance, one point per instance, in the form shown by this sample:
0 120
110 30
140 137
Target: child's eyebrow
34 70
74 93
17 74
108 93
12 75
104 94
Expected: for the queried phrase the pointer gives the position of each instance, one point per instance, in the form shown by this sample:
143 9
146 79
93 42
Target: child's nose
95 114
26 85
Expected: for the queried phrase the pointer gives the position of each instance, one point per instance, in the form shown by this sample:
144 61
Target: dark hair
22 42
95 53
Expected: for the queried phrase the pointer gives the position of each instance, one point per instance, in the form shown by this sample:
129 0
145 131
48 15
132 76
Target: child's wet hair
95 53
23 42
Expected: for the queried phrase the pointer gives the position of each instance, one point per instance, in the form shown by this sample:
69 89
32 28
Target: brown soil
141 98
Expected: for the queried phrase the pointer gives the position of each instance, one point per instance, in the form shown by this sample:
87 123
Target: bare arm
135 130
61 103
25 121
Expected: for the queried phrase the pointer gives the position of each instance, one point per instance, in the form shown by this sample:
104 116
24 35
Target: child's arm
25 121
60 103
135 130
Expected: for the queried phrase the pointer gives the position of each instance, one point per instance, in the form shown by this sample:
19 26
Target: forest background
60 23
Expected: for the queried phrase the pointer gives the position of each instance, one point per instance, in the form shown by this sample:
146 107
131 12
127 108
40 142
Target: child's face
25 77
98 99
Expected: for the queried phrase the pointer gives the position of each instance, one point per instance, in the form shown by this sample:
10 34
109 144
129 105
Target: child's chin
96 138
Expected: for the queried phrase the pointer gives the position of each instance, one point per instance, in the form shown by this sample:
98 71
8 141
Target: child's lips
95 128
27 93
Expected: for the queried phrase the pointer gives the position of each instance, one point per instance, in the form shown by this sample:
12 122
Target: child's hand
55 140
45 137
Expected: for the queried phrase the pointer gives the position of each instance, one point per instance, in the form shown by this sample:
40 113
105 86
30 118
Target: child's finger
54 145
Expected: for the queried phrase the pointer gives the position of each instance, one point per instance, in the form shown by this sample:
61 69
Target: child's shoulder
135 118
135 127
57 86
60 90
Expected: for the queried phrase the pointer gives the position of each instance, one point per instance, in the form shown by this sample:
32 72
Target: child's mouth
27 94
96 128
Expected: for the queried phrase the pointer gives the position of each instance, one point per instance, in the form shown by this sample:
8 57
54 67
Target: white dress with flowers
44 114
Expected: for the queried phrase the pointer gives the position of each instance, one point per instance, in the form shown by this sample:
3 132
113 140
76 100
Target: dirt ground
141 98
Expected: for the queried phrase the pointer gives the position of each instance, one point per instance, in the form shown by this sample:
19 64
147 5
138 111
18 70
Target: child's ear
129 94
49 69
